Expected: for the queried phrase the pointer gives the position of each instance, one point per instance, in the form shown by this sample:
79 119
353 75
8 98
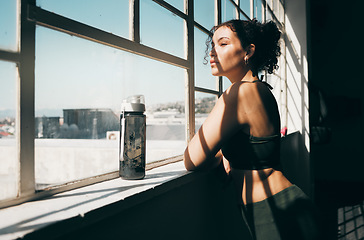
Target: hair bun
270 29
270 46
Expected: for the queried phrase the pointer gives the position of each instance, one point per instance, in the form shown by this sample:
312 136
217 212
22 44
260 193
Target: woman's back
255 168
257 144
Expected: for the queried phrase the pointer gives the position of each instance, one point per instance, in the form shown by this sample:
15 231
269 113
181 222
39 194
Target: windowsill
17 221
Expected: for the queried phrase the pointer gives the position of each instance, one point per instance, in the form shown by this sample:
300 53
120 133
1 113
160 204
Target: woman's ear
250 50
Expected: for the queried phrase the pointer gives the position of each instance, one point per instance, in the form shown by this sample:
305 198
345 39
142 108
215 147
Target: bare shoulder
250 99
243 94
239 92
245 89
255 93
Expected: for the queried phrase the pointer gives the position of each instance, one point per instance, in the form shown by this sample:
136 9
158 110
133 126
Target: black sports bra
247 152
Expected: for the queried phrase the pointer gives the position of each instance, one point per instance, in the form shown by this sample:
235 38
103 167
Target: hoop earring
246 60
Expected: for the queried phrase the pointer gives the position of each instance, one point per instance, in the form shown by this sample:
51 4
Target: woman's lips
212 61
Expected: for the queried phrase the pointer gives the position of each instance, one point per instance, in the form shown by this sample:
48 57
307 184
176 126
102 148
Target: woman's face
227 54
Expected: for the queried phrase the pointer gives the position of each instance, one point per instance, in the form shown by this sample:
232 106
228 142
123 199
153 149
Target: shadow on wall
295 163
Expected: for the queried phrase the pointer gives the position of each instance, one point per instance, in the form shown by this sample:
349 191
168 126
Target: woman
242 132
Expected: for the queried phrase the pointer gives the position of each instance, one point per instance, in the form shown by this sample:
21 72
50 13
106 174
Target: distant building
47 127
90 123
78 124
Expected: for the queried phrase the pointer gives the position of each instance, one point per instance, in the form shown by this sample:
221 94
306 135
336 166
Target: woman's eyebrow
221 38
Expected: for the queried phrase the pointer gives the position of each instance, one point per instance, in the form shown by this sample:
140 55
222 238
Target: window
9 32
179 4
9 46
245 6
87 57
229 11
226 83
109 15
157 24
77 106
203 77
258 10
9 171
204 102
206 85
205 13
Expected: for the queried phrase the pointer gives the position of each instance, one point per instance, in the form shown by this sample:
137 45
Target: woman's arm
203 151
208 163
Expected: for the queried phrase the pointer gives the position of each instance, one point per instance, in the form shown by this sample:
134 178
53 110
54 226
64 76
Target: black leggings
289 214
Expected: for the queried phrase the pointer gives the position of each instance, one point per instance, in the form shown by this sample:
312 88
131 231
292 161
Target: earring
246 60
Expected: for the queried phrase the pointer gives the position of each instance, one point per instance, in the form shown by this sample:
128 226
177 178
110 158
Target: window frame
31 15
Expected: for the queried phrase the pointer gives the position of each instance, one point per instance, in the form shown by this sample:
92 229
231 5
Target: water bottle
132 138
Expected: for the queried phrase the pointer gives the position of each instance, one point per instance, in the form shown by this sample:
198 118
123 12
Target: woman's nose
212 52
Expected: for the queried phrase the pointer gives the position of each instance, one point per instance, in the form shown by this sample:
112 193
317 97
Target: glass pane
203 76
161 29
228 10
205 13
268 15
8 27
258 10
108 15
179 4
77 106
245 6
204 102
9 170
226 83
243 17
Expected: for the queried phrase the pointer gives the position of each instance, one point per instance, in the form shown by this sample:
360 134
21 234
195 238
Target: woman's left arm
203 151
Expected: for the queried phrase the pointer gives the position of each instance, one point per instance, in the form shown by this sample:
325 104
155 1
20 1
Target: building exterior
78 124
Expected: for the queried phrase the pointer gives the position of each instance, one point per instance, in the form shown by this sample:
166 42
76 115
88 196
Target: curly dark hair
265 37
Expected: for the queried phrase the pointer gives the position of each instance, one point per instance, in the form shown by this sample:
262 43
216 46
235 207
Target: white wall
297 68
296 91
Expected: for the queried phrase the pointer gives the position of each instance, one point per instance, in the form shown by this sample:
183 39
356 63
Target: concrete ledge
47 216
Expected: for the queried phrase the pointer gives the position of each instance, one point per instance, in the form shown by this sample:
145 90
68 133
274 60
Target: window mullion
205 90
218 15
190 76
218 20
9 56
134 20
25 105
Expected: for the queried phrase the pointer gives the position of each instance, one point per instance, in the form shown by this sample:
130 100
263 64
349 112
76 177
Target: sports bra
247 152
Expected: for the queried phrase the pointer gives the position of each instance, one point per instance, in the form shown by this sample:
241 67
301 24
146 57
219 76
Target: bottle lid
134 103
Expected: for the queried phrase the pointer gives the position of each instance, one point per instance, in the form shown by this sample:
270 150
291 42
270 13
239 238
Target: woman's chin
216 74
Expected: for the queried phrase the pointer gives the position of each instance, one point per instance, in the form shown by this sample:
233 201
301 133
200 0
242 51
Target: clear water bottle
132 138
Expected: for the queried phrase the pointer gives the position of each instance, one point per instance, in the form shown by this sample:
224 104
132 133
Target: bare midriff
257 185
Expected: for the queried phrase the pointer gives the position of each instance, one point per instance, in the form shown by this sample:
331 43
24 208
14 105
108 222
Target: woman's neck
246 76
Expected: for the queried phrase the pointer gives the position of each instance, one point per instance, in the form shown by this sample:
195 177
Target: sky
71 72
